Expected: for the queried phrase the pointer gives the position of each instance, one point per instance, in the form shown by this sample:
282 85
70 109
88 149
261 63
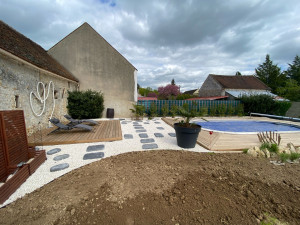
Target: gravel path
137 136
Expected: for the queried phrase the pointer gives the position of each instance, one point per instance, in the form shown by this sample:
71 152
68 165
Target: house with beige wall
233 86
98 66
24 67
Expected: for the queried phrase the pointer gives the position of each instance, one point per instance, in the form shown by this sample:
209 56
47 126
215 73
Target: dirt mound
165 187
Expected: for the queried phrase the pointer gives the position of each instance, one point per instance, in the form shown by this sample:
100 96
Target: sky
184 40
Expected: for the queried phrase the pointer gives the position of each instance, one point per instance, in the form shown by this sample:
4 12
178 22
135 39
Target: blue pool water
246 126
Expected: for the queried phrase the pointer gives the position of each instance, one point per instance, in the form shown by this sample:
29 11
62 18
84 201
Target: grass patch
269 220
294 156
284 157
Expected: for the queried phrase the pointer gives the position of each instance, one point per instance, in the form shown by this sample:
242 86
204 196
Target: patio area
106 130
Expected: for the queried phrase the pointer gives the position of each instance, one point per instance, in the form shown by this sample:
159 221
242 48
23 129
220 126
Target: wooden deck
220 141
107 130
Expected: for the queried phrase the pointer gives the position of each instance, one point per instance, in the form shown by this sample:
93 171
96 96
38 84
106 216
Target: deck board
107 130
219 141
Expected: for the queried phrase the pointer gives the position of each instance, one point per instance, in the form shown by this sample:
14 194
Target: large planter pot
186 136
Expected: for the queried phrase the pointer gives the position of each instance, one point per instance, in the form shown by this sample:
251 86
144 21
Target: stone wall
211 88
18 79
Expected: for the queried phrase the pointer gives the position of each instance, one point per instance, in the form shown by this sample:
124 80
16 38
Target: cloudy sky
165 39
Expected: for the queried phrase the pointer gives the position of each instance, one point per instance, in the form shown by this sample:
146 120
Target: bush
240 110
138 111
294 156
221 110
165 110
152 111
174 110
284 157
183 96
203 111
264 104
274 148
230 110
85 104
213 111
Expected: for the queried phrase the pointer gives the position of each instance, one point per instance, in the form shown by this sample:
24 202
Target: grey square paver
92 148
53 151
157 122
147 140
158 135
140 131
143 135
61 157
128 136
160 128
138 128
95 155
123 122
149 146
172 134
59 167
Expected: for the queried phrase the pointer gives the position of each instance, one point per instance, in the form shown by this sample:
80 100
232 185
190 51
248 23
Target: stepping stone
140 131
92 148
128 136
143 135
137 125
59 167
160 128
146 123
149 146
156 122
61 157
172 134
138 128
96 155
123 122
53 151
148 140
158 135
121 119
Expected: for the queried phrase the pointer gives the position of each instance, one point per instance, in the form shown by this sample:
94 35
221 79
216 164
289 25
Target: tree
170 91
173 82
293 71
291 90
238 73
270 74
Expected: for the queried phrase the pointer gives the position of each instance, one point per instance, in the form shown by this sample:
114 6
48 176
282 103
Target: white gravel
43 175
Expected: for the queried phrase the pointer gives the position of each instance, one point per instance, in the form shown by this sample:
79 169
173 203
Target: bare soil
165 187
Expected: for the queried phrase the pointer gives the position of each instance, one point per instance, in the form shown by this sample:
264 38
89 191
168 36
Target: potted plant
186 132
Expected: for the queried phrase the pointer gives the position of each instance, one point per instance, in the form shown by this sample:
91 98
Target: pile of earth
165 187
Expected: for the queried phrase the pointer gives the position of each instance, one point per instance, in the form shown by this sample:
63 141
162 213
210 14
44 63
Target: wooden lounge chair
61 126
75 121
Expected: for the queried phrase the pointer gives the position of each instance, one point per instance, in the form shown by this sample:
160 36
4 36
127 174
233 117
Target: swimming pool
240 126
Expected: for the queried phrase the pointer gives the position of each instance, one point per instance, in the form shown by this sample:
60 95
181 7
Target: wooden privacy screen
13 142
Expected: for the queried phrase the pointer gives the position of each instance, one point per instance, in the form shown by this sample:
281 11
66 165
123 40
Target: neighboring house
192 92
233 86
99 67
23 64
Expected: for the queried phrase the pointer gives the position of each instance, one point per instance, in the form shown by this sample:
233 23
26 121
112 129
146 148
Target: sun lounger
75 121
61 126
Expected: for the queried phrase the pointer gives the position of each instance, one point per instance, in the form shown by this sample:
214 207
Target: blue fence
193 104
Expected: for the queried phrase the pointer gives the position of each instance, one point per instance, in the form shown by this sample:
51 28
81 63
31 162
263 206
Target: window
17 103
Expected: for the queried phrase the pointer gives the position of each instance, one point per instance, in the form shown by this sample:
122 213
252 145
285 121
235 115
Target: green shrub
284 157
186 107
264 104
152 111
240 110
165 110
294 156
203 111
174 110
230 110
265 146
213 111
245 151
138 111
85 104
274 148
221 110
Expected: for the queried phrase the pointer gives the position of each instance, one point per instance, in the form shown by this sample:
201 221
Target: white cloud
184 40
